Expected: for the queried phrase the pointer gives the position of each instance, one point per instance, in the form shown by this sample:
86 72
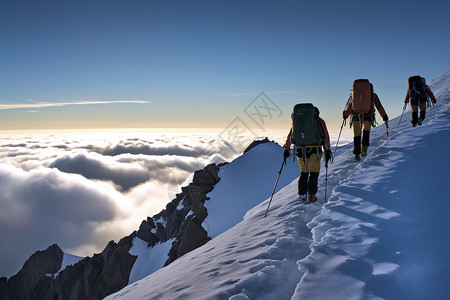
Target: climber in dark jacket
420 103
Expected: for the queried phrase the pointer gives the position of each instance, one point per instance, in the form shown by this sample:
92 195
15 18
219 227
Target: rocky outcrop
99 276
91 278
181 220
34 273
256 143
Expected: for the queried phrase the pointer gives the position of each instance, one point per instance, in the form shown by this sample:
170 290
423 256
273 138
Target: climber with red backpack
308 134
419 92
360 108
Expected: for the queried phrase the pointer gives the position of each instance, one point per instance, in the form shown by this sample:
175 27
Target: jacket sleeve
348 108
407 96
325 132
287 145
379 106
430 93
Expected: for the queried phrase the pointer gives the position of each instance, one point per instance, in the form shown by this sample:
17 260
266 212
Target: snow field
382 233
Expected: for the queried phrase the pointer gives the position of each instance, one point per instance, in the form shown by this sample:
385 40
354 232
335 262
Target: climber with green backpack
360 108
308 134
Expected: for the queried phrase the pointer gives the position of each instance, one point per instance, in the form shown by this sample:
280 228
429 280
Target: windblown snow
383 234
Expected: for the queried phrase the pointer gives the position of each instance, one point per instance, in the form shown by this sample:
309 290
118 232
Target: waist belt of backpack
304 153
308 146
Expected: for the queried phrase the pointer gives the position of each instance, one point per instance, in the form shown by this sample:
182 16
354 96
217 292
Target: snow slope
382 235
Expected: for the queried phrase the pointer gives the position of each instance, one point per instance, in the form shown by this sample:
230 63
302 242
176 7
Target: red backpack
361 96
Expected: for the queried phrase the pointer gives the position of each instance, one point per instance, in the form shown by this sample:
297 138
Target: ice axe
326 179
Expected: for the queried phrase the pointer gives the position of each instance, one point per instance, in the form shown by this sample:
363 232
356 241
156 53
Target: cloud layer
81 191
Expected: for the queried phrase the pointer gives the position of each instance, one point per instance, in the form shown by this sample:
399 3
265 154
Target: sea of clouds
83 190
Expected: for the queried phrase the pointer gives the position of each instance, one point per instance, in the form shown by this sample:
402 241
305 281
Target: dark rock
194 237
256 143
160 232
99 276
68 283
190 233
172 253
194 194
38 267
144 232
3 288
174 221
200 213
207 176
170 207
127 242
90 278
150 221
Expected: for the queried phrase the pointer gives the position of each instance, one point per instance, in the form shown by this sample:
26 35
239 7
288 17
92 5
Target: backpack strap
304 158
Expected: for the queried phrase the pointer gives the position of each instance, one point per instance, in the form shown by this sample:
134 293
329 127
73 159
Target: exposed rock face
256 143
183 216
194 237
90 278
34 273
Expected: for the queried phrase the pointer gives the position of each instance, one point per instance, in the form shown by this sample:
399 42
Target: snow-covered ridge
223 208
380 236
440 86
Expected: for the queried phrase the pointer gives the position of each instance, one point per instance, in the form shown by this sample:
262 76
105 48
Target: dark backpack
416 88
306 128
361 96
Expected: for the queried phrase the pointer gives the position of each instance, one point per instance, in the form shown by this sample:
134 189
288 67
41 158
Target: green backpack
306 129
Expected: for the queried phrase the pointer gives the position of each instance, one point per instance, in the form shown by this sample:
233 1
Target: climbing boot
364 151
357 157
419 121
312 198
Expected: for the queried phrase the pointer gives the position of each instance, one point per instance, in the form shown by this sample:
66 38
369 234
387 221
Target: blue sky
200 63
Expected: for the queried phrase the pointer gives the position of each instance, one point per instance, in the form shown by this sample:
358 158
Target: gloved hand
406 101
327 155
344 116
385 118
433 101
286 154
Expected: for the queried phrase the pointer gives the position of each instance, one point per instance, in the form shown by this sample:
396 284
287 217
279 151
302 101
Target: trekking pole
387 131
273 192
339 136
404 108
326 180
